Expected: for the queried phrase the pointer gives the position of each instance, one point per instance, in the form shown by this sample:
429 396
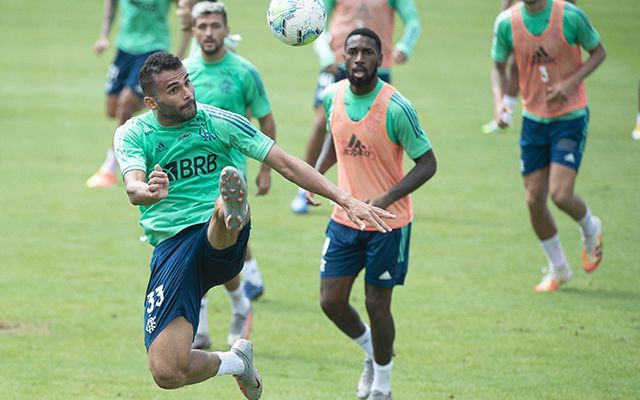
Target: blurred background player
343 16
189 45
509 97
143 31
371 125
223 79
636 132
546 37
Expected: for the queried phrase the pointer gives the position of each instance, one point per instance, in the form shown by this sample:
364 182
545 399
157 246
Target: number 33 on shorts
151 298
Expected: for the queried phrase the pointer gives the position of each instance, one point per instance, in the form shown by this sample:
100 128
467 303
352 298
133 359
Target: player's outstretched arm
303 175
142 192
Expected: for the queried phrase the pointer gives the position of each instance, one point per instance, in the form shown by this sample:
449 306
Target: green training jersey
403 127
232 84
192 155
143 26
576 29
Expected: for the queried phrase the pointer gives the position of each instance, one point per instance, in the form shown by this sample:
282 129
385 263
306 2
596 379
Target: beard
179 115
364 81
212 50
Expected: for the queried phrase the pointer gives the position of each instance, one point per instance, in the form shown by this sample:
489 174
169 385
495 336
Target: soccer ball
296 22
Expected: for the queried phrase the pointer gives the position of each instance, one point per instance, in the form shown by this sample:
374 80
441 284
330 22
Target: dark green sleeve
411 19
255 93
578 29
403 127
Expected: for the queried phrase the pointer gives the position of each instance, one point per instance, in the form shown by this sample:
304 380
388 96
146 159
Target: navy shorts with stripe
124 72
327 78
183 268
560 142
384 256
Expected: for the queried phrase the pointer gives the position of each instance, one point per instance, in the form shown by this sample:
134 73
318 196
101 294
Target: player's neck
167 122
215 57
535 6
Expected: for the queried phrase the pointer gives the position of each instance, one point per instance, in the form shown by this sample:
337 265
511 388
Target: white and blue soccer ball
296 22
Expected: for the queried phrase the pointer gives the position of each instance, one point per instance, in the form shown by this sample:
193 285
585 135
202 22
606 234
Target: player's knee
331 306
376 305
111 112
167 378
535 200
111 108
561 198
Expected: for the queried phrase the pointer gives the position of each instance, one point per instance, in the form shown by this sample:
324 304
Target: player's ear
150 102
380 59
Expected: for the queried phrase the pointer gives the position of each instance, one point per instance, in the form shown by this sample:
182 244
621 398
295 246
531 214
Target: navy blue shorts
183 269
560 142
327 78
384 256
124 73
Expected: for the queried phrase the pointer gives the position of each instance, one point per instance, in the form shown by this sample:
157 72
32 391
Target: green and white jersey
403 127
143 26
233 84
192 154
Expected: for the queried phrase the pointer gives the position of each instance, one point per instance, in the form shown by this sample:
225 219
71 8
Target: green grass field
469 326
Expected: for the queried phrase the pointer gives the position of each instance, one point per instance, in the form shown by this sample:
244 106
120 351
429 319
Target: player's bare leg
173 363
562 182
537 191
334 300
378 302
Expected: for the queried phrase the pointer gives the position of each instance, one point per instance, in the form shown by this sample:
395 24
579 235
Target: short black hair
156 64
368 33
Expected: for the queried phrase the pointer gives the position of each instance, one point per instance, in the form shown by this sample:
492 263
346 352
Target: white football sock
110 163
239 301
230 363
638 119
381 377
553 250
364 341
251 272
588 225
203 329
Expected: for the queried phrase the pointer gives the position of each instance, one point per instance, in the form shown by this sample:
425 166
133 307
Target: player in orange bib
545 37
371 125
343 17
